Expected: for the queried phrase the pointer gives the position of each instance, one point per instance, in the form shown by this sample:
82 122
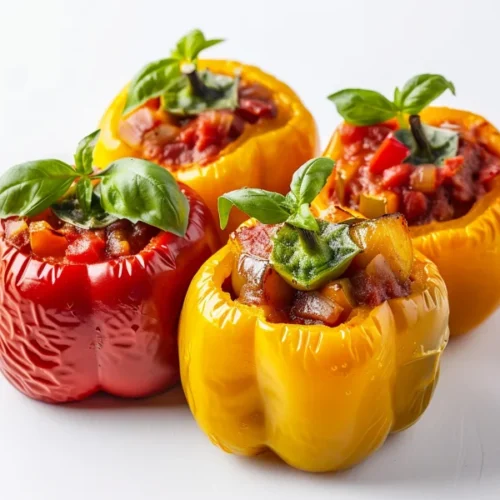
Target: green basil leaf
70 210
29 188
303 218
84 190
152 81
190 45
139 190
443 144
363 107
420 91
310 179
308 260
265 206
84 156
221 92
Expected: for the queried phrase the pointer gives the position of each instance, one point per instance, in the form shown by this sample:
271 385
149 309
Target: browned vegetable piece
388 236
340 292
46 241
317 308
277 292
377 205
424 179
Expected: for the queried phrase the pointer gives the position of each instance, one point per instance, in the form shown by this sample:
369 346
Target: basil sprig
307 252
368 107
129 188
183 89
274 208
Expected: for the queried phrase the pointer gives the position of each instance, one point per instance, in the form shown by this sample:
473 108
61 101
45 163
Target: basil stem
419 135
197 85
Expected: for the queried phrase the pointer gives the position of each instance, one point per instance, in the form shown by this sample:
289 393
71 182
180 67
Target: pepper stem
419 135
197 85
309 238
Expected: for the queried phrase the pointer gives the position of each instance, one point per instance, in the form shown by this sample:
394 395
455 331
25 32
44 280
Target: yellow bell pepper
264 156
466 250
322 398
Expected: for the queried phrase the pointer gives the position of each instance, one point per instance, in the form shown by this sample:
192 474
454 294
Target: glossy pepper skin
322 398
264 156
68 331
466 250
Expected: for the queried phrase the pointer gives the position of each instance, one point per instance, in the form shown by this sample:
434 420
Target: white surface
61 63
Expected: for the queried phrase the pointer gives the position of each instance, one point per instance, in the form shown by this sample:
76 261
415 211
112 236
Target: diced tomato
258 108
86 250
450 167
255 240
349 134
489 173
415 204
390 153
396 176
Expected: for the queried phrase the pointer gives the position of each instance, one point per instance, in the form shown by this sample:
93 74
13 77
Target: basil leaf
190 45
84 156
152 81
84 190
265 206
222 94
29 188
443 144
420 91
310 179
363 107
303 218
70 210
307 260
139 190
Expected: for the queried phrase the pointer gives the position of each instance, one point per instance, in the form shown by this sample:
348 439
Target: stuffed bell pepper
438 167
216 125
93 271
313 335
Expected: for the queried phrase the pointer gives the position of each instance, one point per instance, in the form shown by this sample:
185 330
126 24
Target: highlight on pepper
216 125
94 265
311 334
438 167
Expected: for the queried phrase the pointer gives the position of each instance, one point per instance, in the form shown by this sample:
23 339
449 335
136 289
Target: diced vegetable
350 134
344 174
316 307
117 244
248 269
133 128
87 249
415 204
396 176
390 153
340 292
45 241
388 236
377 205
17 232
277 292
424 179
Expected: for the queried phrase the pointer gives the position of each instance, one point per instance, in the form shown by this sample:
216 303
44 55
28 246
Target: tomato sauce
423 193
48 238
176 141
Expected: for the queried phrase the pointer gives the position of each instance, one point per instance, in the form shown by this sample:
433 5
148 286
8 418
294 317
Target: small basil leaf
420 91
220 92
303 218
265 206
70 210
397 98
84 156
190 45
84 191
139 190
308 260
29 188
152 81
310 178
363 107
443 144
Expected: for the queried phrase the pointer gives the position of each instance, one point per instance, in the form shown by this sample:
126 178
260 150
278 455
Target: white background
60 65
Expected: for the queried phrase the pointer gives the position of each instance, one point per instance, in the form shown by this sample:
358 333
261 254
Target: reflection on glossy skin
68 331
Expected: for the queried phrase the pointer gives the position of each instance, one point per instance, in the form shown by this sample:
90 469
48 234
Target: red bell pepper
68 331
390 153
